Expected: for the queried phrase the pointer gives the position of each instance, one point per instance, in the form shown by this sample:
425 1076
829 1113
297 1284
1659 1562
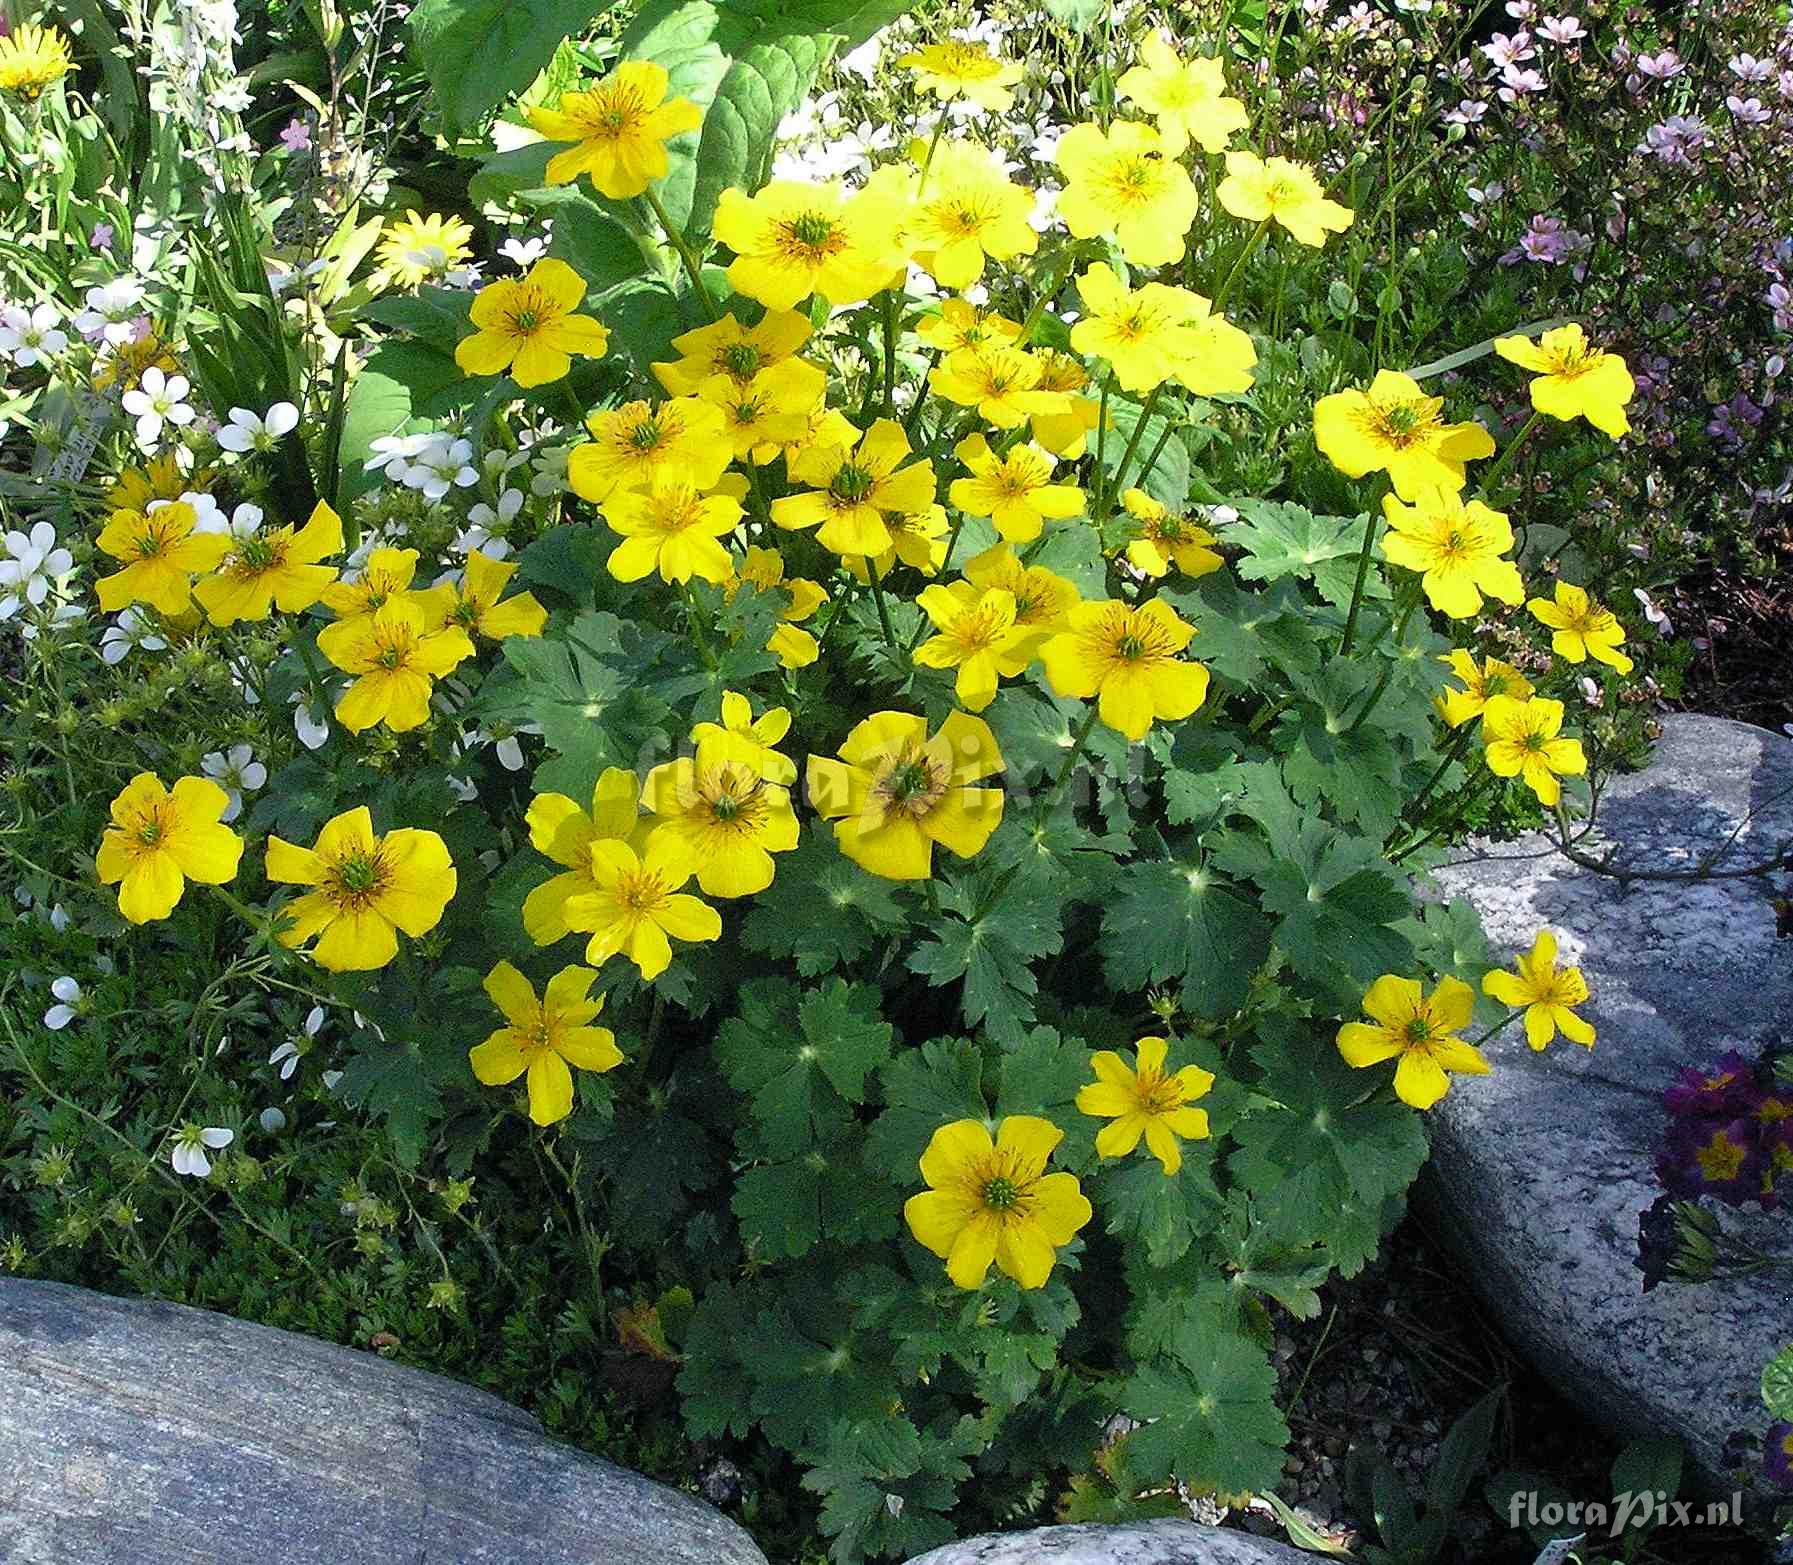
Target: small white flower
58 917
237 773
487 526
158 400
191 1143
444 465
1562 29
30 562
67 1007
1662 624
524 252
31 335
248 431
309 723
112 311
1591 692
392 455
128 633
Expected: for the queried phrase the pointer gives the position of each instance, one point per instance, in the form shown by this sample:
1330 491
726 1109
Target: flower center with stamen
358 877
814 233
644 436
852 484
740 359
1001 1193
1418 1030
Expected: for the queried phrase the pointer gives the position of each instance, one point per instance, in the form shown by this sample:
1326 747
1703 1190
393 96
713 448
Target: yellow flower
1419 1031
366 889
726 347
1127 657
1283 192
162 553
277 568
1015 491
1395 425
1043 599
895 792
635 903
963 211
31 59
159 840
1480 685
1147 1101
721 809
1166 539
978 636
122 370
472 603
827 427
395 657
160 478
956 69
685 439
1156 333
544 1037
1001 383
1574 379
1186 97
760 734
413 249
1457 549
385 578
527 326
764 415
1583 629
855 488
917 538
959 326
672 529
1546 992
1065 434
764 570
1119 182
791 240
620 128
560 830
994 1201
1521 741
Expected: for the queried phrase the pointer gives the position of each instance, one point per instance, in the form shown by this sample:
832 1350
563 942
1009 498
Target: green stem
1078 740
1505 459
1139 428
889 306
1363 572
676 238
871 573
1388 663
696 628
1251 244
1098 487
1453 751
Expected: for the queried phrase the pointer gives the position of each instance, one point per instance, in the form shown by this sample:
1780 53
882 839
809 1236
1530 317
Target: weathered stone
1146 1543
1540 1170
157 1434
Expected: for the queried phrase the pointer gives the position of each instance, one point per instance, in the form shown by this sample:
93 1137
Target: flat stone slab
1540 1170
162 1435
1145 1543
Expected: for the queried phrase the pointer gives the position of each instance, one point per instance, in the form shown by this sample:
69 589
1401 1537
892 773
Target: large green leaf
760 87
476 53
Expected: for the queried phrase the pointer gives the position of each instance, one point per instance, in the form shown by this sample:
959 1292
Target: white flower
1591 692
524 252
1562 29
128 633
392 455
31 562
31 335
248 431
68 997
863 61
208 515
296 1046
486 527
312 726
60 617
442 466
159 399
1748 110
1746 67
112 311
1664 626
190 1144
550 467
237 773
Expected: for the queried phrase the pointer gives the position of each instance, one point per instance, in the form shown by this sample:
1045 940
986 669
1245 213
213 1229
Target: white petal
217 1136
65 988
58 1017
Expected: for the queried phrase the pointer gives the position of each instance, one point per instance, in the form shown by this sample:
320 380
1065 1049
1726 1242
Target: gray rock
157 1434
1540 1170
1146 1543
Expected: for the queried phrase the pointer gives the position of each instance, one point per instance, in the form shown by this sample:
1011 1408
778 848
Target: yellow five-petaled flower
160 839
1582 628
619 129
1417 1030
1546 991
1521 740
527 325
1574 379
544 1038
994 1201
1129 659
1146 1100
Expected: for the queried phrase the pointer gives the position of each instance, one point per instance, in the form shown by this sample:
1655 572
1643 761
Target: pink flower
1562 29
1748 110
1676 139
1504 52
1516 81
297 136
1519 10
1661 66
1747 68
1468 112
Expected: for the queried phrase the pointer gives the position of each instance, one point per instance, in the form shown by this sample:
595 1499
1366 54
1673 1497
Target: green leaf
923 1089
1777 1385
1168 482
1078 15
433 315
1163 1215
1208 1416
599 248
1646 1466
1241 634
1464 1450
478 52
1283 539
1181 923
991 945
1041 1075
802 1058
822 911
762 85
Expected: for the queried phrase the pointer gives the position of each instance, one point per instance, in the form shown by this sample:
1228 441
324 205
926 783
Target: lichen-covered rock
1540 1170
161 1435
1146 1543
